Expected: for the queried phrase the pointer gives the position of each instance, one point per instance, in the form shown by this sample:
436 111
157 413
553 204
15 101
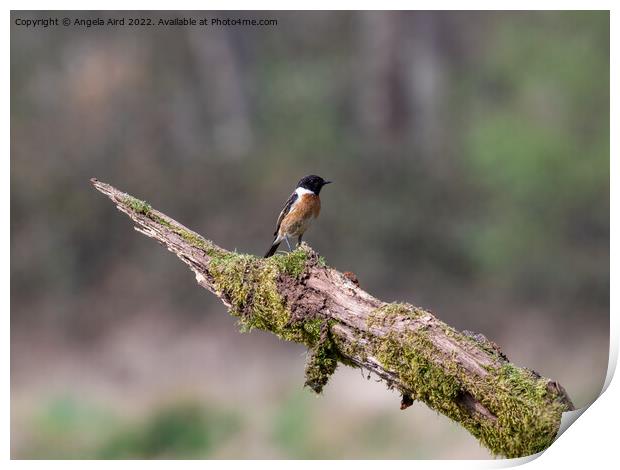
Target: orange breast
303 211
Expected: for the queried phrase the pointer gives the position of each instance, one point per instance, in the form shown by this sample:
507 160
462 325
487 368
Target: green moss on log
143 208
248 283
386 315
528 411
137 205
528 414
294 263
320 365
250 286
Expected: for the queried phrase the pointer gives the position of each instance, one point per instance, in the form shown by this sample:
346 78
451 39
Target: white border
590 442
224 5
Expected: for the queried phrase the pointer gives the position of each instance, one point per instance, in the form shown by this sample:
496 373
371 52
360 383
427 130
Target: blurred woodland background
470 154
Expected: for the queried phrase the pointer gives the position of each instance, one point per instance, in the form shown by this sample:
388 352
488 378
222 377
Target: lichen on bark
512 411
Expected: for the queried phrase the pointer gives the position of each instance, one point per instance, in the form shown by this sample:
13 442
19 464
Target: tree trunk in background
222 90
382 104
402 84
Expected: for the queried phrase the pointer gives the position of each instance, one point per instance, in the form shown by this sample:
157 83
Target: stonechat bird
299 210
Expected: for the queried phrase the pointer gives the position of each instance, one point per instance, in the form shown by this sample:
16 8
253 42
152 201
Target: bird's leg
299 240
288 244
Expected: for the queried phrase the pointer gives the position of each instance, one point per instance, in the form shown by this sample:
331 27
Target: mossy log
513 411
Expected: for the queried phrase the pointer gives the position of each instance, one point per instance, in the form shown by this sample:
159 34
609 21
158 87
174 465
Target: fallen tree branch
513 411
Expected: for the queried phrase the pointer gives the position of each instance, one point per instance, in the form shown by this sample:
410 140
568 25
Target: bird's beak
327 182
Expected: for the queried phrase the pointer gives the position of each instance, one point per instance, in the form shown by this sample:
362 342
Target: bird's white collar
301 191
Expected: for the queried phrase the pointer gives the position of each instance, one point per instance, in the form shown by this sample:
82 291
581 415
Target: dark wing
285 210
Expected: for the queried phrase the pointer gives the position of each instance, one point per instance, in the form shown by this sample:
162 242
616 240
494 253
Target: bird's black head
313 183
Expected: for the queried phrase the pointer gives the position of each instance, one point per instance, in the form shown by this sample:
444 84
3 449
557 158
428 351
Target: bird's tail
273 249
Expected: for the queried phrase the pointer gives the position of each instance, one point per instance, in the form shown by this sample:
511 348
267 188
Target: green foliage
183 430
292 424
536 154
70 429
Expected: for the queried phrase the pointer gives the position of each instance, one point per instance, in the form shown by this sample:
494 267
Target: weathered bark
513 411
